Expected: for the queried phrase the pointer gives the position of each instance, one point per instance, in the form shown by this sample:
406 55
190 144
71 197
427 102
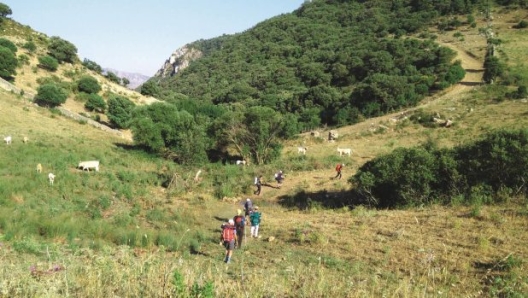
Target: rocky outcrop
179 60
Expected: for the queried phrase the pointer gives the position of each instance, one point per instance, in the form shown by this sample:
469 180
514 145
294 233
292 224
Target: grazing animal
39 168
87 165
8 140
302 150
25 140
51 178
241 162
342 151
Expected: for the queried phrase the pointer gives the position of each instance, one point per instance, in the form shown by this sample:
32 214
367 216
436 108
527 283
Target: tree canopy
8 63
62 50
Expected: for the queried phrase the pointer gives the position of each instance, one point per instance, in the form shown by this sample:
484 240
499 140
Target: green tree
50 95
8 44
493 68
95 103
120 111
8 63
91 65
125 81
62 50
48 62
4 11
149 88
255 133
161 128
88 84
113 77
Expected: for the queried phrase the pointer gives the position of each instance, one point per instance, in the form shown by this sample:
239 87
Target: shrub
95 103
119 111
8 63
6 43
88 84
51 95
522 24
48 63
62 50
30 46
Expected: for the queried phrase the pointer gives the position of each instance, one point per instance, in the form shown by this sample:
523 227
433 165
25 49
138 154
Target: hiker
258 183
228 239
279 177
248 207
338 169
255 222
240 222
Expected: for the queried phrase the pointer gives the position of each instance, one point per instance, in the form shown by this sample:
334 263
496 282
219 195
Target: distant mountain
136 79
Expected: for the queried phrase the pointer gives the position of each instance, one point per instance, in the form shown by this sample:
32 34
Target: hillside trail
320 180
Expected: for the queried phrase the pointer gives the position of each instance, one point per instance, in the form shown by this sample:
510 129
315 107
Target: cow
302 150
8 140
51 178
342 151
87 165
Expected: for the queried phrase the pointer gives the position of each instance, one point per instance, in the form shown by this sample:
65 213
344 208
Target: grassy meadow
144 227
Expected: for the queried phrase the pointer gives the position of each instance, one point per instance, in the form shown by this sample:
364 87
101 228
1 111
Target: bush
8 63
119 111
8 44
95 103
30 46
522 24
48 63
62 50
51 95
88 84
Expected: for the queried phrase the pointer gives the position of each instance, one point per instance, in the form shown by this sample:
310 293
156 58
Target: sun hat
256 207
239 211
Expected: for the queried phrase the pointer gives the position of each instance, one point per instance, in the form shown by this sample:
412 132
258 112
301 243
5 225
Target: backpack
338 167
240 221
228 233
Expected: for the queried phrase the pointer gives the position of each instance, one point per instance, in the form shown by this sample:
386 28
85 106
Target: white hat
248 199
231 222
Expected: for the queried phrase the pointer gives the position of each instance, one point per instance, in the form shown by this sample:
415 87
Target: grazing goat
241 162
39 168
51 178
342 151
8 140
25 140
302 150
87 165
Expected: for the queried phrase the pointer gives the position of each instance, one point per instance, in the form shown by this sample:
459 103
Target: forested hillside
329 62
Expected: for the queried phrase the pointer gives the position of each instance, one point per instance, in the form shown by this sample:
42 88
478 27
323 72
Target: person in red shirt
339 167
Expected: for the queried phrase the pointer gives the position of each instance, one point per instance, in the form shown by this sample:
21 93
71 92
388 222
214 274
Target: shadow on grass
326 199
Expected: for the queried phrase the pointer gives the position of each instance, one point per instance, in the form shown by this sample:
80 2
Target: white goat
8 140
302 150
39 168
87 165
51 178
241 162
342 151
25 140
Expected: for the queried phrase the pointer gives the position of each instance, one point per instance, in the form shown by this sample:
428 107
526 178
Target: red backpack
228 233
239 221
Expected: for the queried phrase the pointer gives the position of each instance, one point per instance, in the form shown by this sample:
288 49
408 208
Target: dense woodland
327 63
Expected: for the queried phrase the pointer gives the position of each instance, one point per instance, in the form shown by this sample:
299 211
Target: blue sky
139 35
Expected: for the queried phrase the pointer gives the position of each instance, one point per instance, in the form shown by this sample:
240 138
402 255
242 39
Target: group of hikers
233 232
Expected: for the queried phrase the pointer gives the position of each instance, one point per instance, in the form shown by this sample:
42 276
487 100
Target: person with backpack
338 169
279 177
255 222
248 207
228 239
240 223
258 183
